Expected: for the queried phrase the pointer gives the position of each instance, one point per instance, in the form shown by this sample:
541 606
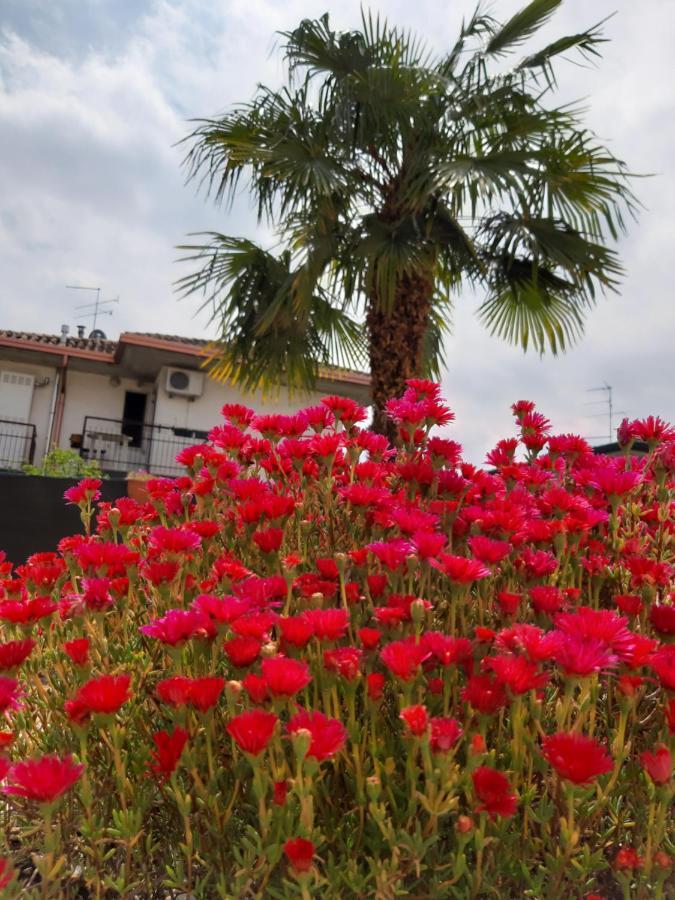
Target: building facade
131 404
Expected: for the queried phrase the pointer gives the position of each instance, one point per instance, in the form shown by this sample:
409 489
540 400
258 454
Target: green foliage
379 160
60 463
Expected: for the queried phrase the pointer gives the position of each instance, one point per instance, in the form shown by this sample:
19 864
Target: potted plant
137 485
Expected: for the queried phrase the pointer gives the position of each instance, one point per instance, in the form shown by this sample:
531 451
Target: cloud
94 97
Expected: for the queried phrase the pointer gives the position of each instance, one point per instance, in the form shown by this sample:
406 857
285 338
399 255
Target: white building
131 403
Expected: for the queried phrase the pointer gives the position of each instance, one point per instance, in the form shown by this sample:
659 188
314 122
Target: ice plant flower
445 732
252 731
416 719
284 676
167 752
300 853
403 658
659 764
328 735
575 757
78 651
44 779
14 653
105 695
493 792
10 692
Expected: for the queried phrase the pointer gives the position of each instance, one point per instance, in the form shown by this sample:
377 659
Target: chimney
64 333
80 331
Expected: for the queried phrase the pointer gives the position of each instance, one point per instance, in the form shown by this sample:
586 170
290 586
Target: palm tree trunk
396 342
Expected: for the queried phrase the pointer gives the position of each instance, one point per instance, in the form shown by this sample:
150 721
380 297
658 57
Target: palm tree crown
391 175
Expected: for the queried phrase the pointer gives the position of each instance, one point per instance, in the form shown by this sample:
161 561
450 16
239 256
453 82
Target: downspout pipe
55 396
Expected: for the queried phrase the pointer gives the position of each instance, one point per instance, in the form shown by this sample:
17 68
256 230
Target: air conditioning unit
16 395
184 383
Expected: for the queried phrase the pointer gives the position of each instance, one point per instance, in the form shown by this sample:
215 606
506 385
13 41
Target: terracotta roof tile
92 344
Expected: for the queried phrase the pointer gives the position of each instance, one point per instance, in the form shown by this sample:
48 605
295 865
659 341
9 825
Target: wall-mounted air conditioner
16 394
184 383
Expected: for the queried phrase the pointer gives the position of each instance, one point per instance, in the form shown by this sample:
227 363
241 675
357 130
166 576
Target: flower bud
464 824
663 860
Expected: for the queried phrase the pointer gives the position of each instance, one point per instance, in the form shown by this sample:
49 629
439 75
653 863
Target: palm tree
391 176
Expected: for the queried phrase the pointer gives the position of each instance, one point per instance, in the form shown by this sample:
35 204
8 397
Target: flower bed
317 665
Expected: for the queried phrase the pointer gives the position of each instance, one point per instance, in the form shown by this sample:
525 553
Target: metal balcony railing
17 443
121 446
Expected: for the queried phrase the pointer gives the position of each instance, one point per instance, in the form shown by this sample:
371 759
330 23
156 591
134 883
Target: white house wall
203 412
99 396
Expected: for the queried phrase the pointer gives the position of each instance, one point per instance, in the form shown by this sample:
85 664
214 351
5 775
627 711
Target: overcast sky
94 96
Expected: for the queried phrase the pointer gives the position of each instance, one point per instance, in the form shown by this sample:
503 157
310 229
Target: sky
96 95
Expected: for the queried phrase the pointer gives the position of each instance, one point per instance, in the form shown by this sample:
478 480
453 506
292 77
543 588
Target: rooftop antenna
611 412
93 309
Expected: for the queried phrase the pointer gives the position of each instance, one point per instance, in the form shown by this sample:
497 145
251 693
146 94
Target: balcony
17 444
120 446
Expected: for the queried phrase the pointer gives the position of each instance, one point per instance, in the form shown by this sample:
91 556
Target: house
131 404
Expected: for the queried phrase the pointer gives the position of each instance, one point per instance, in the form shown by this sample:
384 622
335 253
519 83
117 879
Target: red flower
97 596
179 625
494 792
575 757
344 661
517 673
328 624
580 656
403 659
375 685
280 790
369 637
13 653
445 732
167 752
508 602
487 550
485 693
174 691
256 688
252 731
44 779
105 694
627 858
174 540
242 650
296 630
416 718
328 735
299 853
284 676
85 492
658 765
269 540
662 618
204 692
447 650
670 716
461 569
6 872
546 598
663 663
78 651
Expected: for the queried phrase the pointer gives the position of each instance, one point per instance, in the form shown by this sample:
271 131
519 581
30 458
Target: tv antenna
611 412
93 309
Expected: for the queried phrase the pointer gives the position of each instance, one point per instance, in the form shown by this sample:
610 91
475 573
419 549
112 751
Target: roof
615 448
111 351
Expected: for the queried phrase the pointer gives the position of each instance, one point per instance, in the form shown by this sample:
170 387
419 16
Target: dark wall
34 516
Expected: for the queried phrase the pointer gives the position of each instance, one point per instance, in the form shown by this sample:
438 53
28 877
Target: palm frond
521 26
262 341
